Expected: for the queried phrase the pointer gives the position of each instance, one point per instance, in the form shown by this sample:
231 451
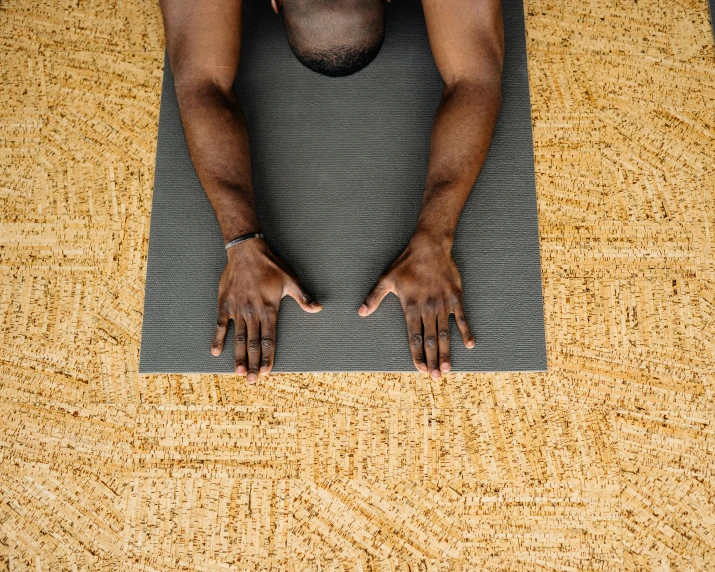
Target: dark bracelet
243 237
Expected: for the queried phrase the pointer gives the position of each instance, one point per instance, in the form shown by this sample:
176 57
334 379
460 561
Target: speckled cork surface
606 462
339 167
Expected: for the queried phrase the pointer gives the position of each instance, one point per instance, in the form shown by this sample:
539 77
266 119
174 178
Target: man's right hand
250 292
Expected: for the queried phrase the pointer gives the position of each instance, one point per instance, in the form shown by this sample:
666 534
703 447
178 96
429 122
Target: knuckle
433 364
462 320
254 344
412 309
250 309
267 343
444 357
430 341
371 298
430 304
240 338
266 361
306 298
444 335
268 311
416 340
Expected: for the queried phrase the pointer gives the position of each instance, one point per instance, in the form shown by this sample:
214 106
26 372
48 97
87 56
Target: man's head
333 37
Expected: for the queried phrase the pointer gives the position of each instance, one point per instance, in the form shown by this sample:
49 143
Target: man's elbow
482 77
482 87
197 89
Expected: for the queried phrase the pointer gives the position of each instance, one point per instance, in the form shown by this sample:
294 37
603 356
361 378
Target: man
337 38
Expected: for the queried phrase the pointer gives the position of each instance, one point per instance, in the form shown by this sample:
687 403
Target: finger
443 341
463 326
220 335
374 298
239 325
414 333
253 329
268 338
429 326
305 300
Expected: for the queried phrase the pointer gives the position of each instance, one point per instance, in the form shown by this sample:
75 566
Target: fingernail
422 367
446 366
240 370
362 310
252 377
470 344
436 373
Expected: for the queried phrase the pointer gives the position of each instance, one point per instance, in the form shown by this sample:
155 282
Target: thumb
374 298
305 300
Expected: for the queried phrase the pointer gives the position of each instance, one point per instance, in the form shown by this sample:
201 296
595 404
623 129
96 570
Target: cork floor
607 462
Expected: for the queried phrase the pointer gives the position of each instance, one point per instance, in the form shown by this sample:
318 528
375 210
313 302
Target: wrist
247 249
242 238
432 238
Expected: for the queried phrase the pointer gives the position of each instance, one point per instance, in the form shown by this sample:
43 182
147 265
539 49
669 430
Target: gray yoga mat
339 169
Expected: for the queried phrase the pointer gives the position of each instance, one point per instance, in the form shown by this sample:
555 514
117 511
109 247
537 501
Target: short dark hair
340 50
341 61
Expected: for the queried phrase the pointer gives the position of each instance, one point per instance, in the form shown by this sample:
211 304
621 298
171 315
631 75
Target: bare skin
467 41
203 41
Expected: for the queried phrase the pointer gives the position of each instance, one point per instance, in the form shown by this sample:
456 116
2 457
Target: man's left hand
426 280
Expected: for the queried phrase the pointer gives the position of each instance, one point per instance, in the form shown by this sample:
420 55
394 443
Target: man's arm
467 40
203 39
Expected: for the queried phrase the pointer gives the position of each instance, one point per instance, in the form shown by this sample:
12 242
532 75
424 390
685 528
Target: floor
606 462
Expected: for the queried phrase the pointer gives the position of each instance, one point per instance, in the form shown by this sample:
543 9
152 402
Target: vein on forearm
461 136
218 144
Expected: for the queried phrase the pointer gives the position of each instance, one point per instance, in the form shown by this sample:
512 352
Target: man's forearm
217 139
461 135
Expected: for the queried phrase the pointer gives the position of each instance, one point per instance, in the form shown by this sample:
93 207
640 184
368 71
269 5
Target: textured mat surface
607 462
339 168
